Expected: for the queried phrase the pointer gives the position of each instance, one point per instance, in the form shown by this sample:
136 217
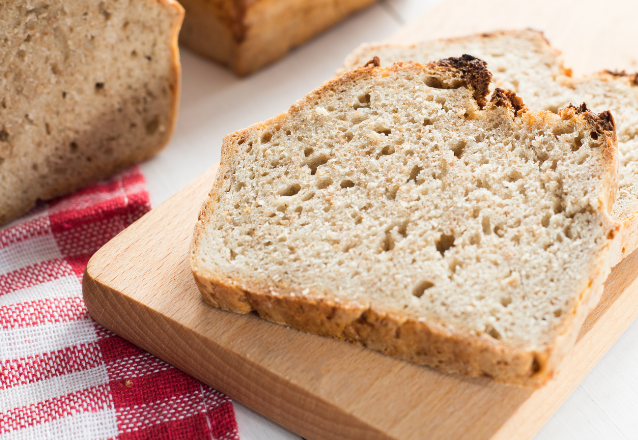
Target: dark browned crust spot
601 122
633 77
505 98
374 62
580 109
474 72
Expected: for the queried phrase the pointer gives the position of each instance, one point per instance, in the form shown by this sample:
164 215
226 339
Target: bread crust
356 58
420 340
246 35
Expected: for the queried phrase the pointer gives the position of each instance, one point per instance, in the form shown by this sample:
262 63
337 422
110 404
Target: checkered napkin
61 374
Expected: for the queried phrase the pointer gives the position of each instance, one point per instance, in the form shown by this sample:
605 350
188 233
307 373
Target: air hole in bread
347 183
290 190
421 287
74 147
427 121
514 175
380 129
233 254
266 137
568 232
582 158
308 151
562 129
493 332
387 150
324 182
388 242
444 243
99 86
414 173
315 162
458 148
557 313
434 82
485 223
391 192
308 196
363 101
358 117
578 142
152 125
349 136
506 301
239 186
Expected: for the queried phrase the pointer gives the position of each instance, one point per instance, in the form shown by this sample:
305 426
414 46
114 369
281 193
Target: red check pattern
61 374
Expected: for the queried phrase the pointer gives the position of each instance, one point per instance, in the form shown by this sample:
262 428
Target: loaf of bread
87 89
396 207
524 62
246 35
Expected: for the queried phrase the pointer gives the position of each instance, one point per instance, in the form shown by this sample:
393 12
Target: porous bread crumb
525 63
394 191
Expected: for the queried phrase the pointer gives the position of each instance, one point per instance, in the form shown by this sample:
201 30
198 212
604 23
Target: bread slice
525 63
396 208
87 89
246 35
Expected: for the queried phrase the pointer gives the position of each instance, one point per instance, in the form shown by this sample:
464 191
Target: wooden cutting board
139 285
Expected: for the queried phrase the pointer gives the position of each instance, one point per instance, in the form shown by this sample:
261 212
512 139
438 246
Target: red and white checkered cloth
61 374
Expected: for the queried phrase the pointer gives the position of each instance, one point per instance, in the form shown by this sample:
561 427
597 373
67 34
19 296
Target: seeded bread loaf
87 89
524 62
246 35
399 209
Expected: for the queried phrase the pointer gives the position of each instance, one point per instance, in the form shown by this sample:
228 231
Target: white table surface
214 103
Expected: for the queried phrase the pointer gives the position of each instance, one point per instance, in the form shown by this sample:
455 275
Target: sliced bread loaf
525 63
396 208
246 35
87 89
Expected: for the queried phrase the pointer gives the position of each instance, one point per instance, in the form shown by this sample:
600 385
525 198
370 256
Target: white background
215 102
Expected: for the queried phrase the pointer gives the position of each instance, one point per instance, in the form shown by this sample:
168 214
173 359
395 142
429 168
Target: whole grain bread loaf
87 89
246 35
525 63
396 207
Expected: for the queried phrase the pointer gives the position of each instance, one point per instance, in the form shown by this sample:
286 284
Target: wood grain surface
140 286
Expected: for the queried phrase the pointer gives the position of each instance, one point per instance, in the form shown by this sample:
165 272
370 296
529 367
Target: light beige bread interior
87 89
396 208
246 35
525 63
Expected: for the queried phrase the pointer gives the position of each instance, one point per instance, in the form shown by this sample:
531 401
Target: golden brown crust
249 34
416 339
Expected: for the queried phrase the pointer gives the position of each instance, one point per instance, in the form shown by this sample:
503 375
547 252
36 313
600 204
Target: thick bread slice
396 208
246 35
525 63
87 89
